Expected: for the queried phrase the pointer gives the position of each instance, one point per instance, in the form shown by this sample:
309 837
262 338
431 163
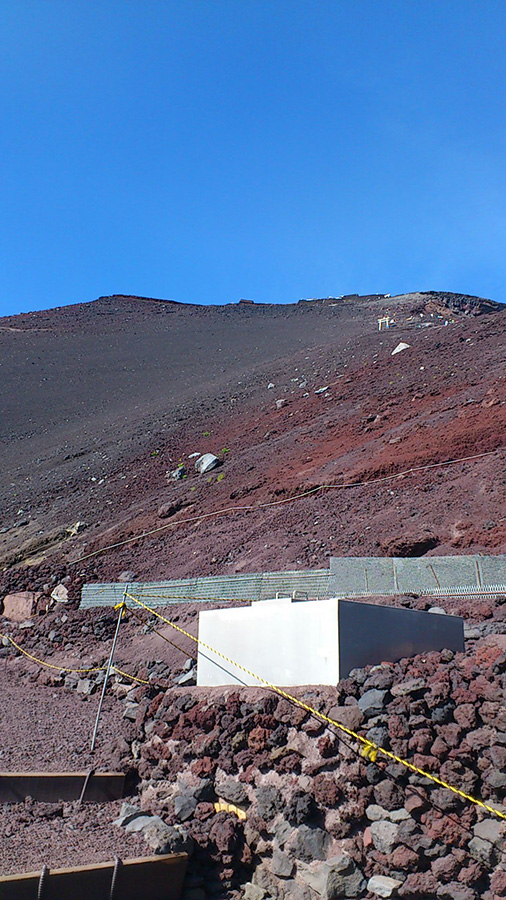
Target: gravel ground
63 834
49 729
52 730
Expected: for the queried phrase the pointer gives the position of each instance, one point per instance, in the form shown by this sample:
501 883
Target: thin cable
369 749
159 633
335 732
230 510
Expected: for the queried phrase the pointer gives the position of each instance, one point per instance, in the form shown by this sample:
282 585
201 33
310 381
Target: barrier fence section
421 575
347 577
255 586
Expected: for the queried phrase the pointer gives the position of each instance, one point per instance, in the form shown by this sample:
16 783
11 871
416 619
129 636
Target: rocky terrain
270 800
103 401
328 443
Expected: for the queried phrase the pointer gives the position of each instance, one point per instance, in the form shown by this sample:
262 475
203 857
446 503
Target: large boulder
206 462
20 606
60 594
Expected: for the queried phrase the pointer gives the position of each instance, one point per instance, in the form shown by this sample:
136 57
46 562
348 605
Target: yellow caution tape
221 806
47 665
122 606
369 751
369 747
132 677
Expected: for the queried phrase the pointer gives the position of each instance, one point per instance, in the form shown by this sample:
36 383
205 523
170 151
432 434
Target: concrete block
289 642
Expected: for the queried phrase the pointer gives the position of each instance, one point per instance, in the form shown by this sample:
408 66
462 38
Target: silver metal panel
371 634
249 636
493 569
425 575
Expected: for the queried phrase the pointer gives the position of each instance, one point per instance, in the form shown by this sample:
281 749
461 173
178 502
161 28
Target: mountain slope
100 400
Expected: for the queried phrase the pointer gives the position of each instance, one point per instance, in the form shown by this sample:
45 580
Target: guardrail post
122 607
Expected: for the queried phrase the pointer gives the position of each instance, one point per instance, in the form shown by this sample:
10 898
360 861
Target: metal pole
106 679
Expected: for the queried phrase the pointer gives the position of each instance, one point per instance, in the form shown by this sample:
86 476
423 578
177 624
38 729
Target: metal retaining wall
425 575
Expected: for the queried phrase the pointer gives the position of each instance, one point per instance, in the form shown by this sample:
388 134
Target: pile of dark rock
276 805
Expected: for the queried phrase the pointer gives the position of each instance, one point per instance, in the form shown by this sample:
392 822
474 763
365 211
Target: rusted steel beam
150 878
50 787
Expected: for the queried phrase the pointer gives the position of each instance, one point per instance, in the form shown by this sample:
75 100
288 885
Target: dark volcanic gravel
63 834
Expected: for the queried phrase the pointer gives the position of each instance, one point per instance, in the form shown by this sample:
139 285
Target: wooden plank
50 787
149 878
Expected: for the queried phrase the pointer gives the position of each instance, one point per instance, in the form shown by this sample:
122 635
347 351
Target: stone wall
305 816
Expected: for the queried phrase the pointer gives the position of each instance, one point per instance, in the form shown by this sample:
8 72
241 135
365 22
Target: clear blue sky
208 150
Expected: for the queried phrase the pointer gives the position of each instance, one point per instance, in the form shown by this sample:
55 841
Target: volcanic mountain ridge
102 401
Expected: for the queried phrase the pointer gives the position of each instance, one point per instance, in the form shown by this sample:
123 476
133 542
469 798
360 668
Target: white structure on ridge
290 642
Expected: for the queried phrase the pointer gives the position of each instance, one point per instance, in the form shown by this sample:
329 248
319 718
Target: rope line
229 510
163 637
47 665
369 749
132 677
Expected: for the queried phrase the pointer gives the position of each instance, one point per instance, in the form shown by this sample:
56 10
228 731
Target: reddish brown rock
202 717
20 606
472 872
203 767
479 738
349 716
465 716
225 833
257 739
404 858
367 837
493 714
313 726
328 745
289 714
445 868
484 689
204 811
439 748
489 651
415 801
498 883
421 740
388 794
419 885
325 790
289 762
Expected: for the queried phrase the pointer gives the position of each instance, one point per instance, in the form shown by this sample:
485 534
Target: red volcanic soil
101 400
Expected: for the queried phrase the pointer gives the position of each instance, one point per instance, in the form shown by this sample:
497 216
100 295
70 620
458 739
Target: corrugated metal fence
255 586
423 575
347 577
